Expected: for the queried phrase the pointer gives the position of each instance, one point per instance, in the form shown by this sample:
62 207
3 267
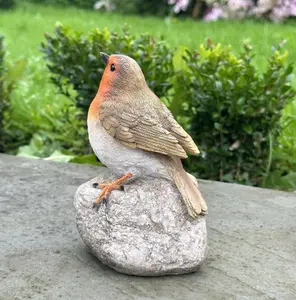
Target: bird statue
135 135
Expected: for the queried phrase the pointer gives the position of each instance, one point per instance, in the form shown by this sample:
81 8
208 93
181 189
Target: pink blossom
239 4
179 5
293 8
276 10
213 14
283 9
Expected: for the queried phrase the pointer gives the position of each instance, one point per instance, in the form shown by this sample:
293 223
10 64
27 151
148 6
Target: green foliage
88 4
284 156
9 75
60 146
35 105
283 175
6 4
143 7
62 131
126 6
3 101
75 63
153 7
231 109
235 112
14 74
76 68
90 159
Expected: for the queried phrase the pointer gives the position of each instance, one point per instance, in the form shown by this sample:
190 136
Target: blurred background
224 68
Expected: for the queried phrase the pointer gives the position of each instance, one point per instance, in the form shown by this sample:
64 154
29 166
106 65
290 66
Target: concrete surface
252 242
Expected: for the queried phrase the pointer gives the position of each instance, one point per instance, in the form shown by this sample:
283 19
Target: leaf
218 85
218 126
248 128
241 101
228 177
26 151
86 159
59 156
277 180
16 70
179 62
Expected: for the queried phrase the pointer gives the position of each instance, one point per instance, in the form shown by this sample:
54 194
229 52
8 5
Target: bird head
122 74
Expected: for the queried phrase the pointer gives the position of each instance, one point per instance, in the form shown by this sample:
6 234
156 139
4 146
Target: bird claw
97 205
95 185
104 201
107 188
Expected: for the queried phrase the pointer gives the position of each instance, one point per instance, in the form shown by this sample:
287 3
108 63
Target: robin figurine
135 135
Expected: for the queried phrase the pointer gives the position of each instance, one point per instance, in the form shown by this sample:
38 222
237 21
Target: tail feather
190 193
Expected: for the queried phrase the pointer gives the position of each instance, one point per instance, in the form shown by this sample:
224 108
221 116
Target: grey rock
142 230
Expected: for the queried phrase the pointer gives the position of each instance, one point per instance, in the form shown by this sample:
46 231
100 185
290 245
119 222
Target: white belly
121 159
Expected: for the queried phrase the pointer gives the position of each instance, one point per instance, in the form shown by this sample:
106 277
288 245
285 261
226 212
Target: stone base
143 230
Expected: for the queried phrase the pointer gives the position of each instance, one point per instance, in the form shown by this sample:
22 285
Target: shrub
75 63
9 75
235 112
6 4
231 109
156 7
143 7
153 7
87 4
3 103
61 131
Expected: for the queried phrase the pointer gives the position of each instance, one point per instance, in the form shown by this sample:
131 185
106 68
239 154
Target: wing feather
148 126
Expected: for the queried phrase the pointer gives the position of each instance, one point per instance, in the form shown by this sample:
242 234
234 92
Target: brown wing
148 126
178 132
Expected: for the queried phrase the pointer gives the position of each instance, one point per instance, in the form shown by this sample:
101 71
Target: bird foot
107 188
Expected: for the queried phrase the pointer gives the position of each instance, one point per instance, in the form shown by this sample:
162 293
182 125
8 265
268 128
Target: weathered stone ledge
251 242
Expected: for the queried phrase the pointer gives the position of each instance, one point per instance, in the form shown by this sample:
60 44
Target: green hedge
143 7
2 101
75 62
7 4
87 4
235 111
231 109
10 73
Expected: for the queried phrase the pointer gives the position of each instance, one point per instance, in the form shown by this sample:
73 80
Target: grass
25 26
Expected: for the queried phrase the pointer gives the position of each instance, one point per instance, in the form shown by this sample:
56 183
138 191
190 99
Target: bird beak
105 57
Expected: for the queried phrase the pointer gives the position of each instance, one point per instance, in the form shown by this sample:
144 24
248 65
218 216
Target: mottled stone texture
142 230
251 242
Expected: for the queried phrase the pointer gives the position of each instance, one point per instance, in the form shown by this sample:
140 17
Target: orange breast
94 108
104 89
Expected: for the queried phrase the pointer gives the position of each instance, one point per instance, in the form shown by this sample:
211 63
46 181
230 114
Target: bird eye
112 68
